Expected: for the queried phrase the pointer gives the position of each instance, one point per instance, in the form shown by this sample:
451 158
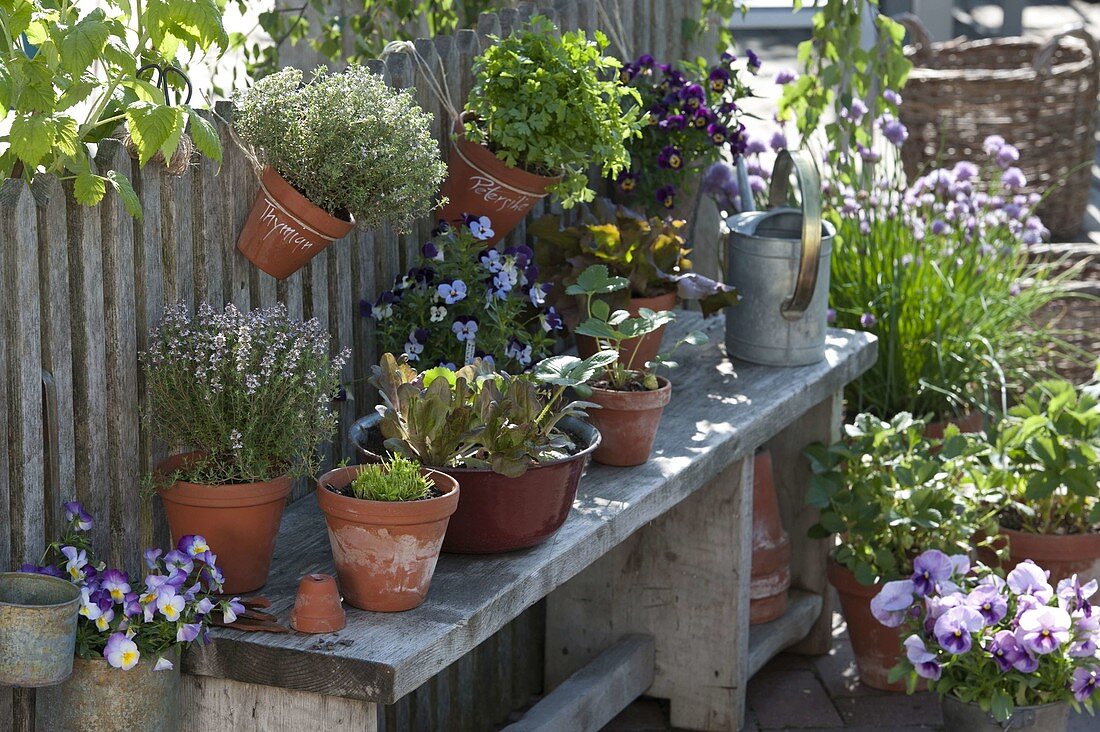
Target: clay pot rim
300 201
540 466
616 400
1080 541
481 157
365 511
213 495
60 583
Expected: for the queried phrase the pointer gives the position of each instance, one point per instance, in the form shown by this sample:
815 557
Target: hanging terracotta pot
481 184
627 421
650 344
385 551
317 607
100 697
771 547
285 229
38 617
1061 555
239 521
875 646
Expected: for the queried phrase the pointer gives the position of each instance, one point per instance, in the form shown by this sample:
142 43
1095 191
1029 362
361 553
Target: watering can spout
744 190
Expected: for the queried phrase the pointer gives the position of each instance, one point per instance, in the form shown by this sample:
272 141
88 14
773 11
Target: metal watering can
779 262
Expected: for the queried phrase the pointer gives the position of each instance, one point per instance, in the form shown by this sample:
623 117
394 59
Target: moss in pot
386 523
513 444
630 394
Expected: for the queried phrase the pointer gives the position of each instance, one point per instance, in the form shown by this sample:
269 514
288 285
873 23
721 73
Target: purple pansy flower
953 628
1044 629
666 196
550 320
627 181
989 602
116 583
481 227
1029 579
753 60
719 78
121 652
465 328
187 632
693 96
867 320
452 292
431 251
193 545
892 602
232 609
1009 654
162 664
923 660
75 513
670 157
718 133
1084 682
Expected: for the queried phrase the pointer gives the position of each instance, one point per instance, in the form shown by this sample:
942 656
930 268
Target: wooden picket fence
83 286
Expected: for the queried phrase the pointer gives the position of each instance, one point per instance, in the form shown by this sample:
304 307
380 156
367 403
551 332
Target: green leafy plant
250 392
396 479
650 253
474 417
890 493
350 144
553 105
1043 467
614 329
69 78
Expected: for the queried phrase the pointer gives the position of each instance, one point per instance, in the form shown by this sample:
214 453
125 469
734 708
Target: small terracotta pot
385 551
650 343
239 521
317 607
771 547
1061 555
971 423
481 184
285 229
627 421
876 647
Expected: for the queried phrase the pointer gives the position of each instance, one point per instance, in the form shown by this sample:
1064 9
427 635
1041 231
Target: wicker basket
1039 97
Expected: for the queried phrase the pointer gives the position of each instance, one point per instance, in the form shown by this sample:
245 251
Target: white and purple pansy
121 652
452 292
480 226
465 328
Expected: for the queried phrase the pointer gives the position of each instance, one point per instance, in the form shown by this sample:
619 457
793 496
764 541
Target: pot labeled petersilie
890 492
340 150
251 394
1043 476
514 446
629 395
651 254
37 629
1011 652
575 118
130 631
386 523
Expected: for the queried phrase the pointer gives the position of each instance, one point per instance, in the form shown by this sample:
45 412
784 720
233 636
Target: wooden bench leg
792 479
235 706
684 579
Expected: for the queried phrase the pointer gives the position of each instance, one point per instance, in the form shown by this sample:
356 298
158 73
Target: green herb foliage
397 479
350 144
553 105
1044 462
890 493
68 77
473 417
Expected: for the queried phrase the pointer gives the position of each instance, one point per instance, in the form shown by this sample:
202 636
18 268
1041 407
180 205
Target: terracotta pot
499 514
100 697
239 522
771 547
385 551
285 229
876 647
627 421
1061 555
650 343
317 607
481 184
971 423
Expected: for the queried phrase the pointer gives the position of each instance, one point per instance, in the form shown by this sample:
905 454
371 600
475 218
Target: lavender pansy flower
121 652
193 545
452 292
1044 629
75 513
481 227
923 660
465 328
932 566
1009 654
989 602
1084 681
1029 579
163 664
954 628
892 602
116 583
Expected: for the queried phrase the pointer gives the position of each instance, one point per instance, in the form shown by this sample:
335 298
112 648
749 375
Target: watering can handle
809 183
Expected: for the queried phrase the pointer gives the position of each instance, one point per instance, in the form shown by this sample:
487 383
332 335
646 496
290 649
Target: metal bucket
779 262
37 629
961 716
99 697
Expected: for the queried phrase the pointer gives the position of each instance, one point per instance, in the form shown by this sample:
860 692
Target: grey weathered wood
592 696
123 462
5 485
768 639
239 186
236 707
211 230
717 417
23 379
57 358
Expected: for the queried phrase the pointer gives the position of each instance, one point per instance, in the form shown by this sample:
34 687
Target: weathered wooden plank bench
662 550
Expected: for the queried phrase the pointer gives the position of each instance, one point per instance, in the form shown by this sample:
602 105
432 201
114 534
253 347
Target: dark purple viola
666 196
754 60
718 79
718 133
627 181
365 308
693 96
670 158
673 122
702 118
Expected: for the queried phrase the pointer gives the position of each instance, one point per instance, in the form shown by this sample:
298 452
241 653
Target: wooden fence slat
239 188
24 445
123 463
57 359
150 299
89 364
508 21
342 310
211 225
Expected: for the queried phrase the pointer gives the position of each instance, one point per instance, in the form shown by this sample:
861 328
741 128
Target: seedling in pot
398 479
613 328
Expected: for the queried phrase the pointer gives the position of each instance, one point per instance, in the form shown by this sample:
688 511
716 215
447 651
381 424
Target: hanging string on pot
185 149
438 87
